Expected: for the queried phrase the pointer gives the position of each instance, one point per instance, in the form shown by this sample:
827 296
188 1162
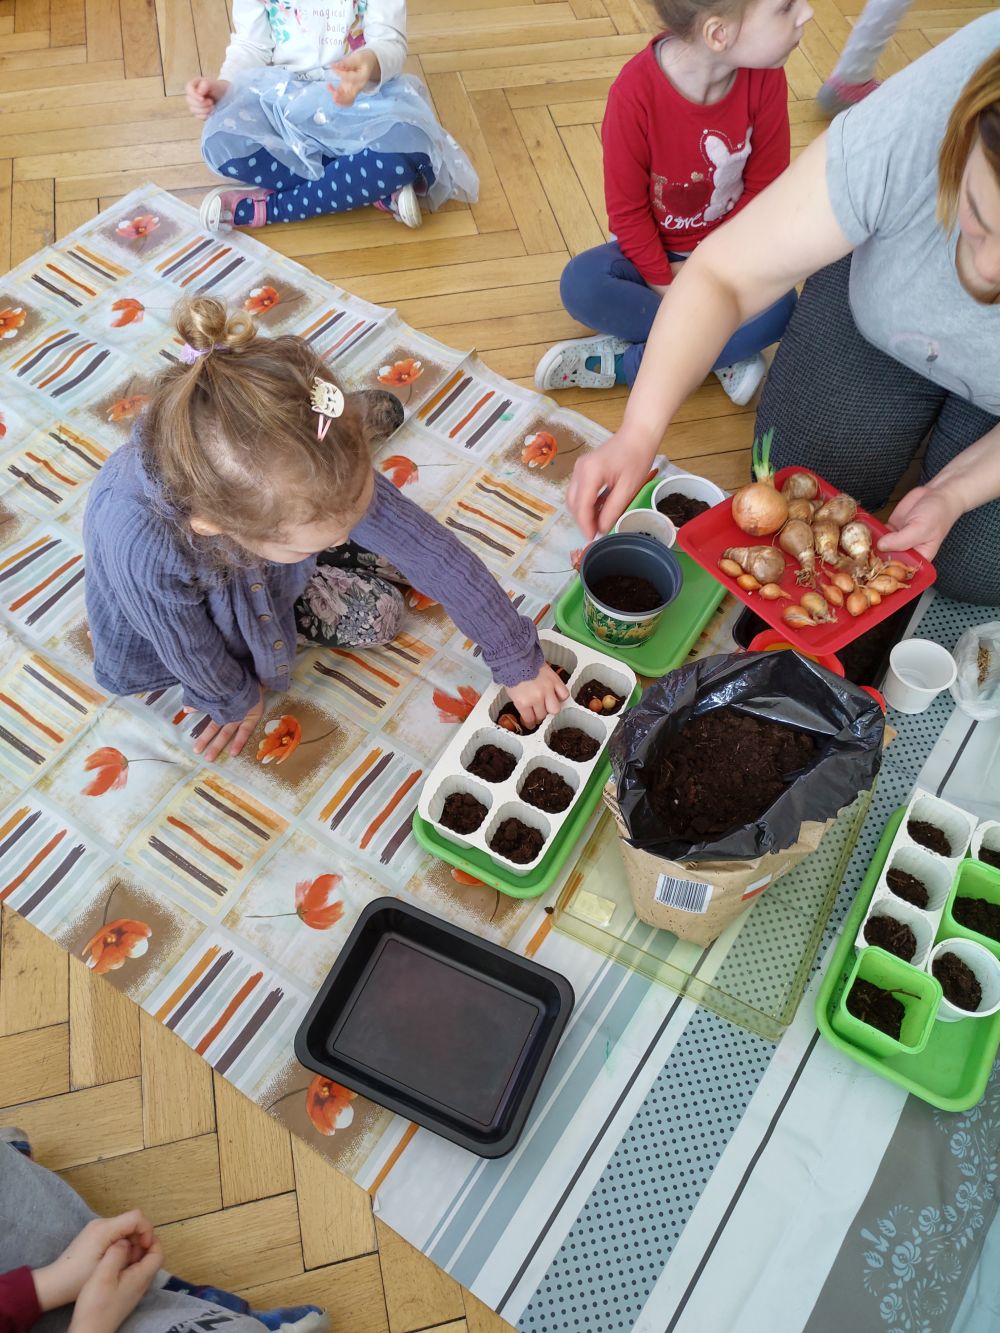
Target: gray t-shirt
881 172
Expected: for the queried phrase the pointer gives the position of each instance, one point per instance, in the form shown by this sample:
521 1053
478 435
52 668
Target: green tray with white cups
680 624
952 1069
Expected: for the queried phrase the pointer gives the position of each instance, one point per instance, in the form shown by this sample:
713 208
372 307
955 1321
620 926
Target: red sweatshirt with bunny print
674 170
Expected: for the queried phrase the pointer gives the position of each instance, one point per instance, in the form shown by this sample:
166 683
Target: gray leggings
858 417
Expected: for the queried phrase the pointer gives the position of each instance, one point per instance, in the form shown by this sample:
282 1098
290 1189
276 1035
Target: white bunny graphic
727 174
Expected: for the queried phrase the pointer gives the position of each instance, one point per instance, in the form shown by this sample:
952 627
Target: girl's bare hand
356 71
232 735
115 1288
202 95
535 699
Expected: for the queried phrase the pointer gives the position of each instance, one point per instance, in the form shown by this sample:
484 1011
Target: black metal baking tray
438 1025
864 660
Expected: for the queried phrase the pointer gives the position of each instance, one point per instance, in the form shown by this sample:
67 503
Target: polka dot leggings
347 182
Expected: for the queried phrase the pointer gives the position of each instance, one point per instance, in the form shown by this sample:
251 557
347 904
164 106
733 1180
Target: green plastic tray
679 627
952 1070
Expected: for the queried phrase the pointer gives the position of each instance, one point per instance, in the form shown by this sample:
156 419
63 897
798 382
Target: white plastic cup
649 522
918 671
987 970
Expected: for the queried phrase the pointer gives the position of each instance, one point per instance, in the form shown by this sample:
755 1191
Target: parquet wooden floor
90 107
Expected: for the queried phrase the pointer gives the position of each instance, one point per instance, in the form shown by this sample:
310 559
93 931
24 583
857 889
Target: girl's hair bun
205 325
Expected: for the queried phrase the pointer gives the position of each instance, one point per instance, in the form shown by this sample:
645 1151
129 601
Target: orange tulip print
419 601
137 229
114 944
401 372
315 904
539 449
111 768
11 320
127 408
399 469
3 426
463 877
281 738
328 1105
455 708
130 311
261 299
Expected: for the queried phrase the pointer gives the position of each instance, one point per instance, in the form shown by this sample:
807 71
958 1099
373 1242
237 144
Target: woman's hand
356 71
115 1288
218 735
605 480
60 1282
535 699
203 94
921 521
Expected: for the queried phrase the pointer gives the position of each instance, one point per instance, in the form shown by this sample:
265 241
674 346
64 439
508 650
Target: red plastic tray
705 538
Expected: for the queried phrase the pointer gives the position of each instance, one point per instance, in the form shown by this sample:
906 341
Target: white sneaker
404 207
564 366
742 379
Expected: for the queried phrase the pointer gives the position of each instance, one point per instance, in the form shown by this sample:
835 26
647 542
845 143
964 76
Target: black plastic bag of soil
845 724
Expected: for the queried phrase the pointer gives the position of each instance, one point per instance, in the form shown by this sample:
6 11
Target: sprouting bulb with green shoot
760 509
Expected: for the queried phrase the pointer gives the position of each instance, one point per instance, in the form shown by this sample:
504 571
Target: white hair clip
327 400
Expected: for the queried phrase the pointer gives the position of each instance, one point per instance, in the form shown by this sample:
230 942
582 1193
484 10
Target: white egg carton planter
503 799
986 835
936 872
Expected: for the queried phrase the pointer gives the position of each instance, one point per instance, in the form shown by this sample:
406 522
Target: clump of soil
492 764
572 743
462 813
627 592
929 836
510 719
680 509
561 672
598 698
908 887
885 932
958 981
546 790
978 914
723 770
989 858
877 1007
517 841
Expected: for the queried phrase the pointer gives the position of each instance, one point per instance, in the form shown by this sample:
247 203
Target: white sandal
564 366
218 208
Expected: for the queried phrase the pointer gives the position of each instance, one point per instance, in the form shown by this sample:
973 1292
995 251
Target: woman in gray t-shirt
896 339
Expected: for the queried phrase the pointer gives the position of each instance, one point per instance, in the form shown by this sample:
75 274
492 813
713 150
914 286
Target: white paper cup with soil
628 582
648 523
897 927
685 496
970 979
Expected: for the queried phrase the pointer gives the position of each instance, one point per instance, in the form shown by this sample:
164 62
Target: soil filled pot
862 1016
628 581
970 978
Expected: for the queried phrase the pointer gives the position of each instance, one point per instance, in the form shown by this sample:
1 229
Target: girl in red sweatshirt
696 125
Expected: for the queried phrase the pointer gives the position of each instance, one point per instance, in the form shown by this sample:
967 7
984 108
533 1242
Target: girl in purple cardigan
205 538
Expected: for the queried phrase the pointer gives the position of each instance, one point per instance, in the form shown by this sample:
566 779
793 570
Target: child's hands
217 736
60 1282
115 1288
533 699
202 95
356 70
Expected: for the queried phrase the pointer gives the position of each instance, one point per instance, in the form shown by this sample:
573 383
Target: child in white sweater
312 114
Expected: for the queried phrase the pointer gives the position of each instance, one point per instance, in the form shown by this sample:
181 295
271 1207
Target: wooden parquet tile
90 107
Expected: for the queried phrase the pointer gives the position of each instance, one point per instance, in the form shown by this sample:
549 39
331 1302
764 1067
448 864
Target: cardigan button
279 643
256 587
264 618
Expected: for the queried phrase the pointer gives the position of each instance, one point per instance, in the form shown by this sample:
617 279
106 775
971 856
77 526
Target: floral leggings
351 601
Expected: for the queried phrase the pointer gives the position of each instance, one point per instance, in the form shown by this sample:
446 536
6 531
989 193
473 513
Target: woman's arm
924 517
786 234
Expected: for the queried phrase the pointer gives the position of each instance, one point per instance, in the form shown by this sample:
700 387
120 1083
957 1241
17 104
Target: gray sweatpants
40 1215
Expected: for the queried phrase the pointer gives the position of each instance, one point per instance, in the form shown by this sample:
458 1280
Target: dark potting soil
929 836
561 672
462 813
877 1007
989 858
626 592
722 771
517 841
515 723
546 790
885 932
492 764
598 698
680 509
572 743
958 981
978 914
908 887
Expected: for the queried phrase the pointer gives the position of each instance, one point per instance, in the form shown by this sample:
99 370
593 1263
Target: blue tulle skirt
294 118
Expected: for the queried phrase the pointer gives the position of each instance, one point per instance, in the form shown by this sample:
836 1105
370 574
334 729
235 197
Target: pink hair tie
189 355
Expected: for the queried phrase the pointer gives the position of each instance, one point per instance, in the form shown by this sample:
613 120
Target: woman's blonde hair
975 116
681 17
232 437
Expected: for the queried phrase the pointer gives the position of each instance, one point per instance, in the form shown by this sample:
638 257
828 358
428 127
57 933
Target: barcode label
686 895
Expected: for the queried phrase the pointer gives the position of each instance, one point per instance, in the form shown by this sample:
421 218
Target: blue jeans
605 291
